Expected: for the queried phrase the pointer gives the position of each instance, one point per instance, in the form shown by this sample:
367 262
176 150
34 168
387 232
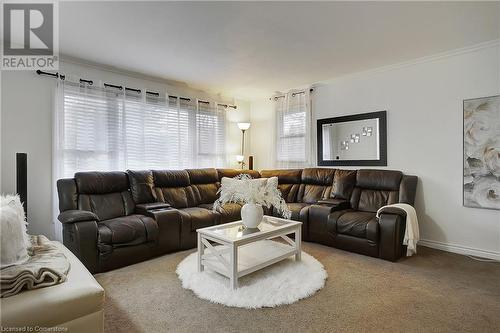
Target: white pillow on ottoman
14 240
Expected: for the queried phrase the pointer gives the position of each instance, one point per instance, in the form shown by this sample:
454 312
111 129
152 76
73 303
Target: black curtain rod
131 89
121 88
90 82
56 75
204 102
293 94
224 105
106 85
183 98
301 92
227 106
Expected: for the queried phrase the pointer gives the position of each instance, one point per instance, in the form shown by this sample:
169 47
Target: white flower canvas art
482 152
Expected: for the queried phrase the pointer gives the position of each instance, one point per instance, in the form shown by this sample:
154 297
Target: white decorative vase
251 215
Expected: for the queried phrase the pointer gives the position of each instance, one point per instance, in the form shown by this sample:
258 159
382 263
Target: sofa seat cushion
198 217
128 230
295 207
229 212
358 224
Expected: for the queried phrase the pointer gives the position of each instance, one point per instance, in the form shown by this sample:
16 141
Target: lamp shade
240 158
243 126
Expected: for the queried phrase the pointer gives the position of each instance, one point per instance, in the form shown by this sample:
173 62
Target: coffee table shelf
235 251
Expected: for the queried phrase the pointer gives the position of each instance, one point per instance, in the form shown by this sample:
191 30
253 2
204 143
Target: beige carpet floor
432 292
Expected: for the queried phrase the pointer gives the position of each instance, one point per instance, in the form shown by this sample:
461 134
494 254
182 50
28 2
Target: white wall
424 104
262 134
26 126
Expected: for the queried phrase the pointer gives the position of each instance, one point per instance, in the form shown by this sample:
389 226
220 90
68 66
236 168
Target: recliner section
113 219
99 221
338 207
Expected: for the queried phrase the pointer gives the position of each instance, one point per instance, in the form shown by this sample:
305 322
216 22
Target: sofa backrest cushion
68 194
343 184
142 186
231 173
204 184
379 179
101 182
408 189
375 188
173 187
203 176
288 182
107 206
316 184
104 193
171 178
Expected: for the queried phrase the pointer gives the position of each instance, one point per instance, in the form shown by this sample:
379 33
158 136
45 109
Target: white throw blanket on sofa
46 266
411 231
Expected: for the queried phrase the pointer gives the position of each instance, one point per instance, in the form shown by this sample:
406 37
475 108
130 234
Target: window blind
102 129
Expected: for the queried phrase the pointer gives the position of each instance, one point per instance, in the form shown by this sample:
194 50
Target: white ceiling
251 49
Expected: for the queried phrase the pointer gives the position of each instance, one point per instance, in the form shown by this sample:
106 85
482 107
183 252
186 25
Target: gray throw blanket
46 267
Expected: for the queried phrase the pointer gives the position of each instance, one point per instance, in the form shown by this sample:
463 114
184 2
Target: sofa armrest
76 215
81 239
337 204
152 206
392 229
393 210
323 208
169 228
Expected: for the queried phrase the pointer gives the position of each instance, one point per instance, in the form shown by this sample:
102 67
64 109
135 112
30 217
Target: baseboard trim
460 249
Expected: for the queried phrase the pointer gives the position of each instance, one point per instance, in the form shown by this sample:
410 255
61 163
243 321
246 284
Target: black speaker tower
22 179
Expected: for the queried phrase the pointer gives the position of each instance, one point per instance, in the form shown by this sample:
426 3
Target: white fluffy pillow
14 240
272 182
244 189
229 184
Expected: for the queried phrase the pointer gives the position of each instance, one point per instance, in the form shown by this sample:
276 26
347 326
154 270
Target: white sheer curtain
210 135
99 129
293 148
108 129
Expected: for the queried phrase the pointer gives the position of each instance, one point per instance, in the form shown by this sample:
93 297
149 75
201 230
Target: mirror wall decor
355 140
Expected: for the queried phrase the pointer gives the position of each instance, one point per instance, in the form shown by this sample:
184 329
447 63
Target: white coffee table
218 246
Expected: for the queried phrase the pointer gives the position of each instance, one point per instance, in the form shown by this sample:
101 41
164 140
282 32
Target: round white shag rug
282 283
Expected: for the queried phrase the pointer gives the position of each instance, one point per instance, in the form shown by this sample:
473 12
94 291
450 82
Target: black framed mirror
354 140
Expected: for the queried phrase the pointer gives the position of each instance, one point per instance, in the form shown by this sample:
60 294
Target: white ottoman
73 306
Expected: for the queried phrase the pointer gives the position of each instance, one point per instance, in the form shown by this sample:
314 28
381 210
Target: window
293 132
99 129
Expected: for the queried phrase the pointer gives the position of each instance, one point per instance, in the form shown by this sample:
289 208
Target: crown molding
426 59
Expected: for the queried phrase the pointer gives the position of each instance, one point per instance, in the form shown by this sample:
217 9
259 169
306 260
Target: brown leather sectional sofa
113 219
